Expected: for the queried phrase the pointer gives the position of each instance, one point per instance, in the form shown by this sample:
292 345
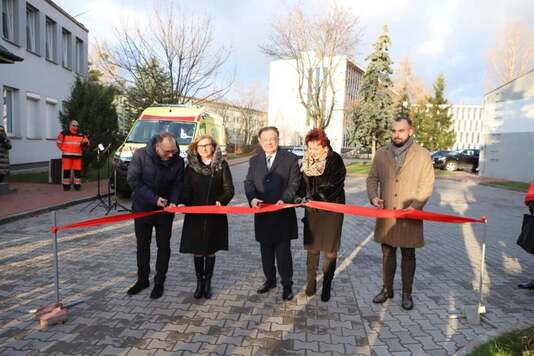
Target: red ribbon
268 208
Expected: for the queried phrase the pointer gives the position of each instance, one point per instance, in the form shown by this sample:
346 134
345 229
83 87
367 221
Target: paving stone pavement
98 265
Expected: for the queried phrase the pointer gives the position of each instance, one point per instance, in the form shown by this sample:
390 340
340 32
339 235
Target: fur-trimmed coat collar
193 160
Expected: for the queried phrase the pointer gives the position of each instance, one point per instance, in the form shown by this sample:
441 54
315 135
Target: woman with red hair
529 201
323 179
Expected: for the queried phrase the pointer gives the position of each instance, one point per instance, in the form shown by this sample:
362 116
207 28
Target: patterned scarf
399 153
314 167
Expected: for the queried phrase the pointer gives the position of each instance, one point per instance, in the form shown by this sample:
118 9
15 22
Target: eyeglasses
205 146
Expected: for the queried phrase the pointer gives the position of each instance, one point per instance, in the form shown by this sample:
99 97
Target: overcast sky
448 36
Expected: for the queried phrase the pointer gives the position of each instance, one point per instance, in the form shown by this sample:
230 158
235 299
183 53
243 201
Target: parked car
436 155
297 150
463 159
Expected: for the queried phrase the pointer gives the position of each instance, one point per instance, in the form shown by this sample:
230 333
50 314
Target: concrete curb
46 209
30 213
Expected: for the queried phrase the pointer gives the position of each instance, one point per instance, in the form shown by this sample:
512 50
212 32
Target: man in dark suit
273 177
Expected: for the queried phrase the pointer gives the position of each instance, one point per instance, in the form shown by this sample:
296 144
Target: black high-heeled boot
329 268
199 270
208 273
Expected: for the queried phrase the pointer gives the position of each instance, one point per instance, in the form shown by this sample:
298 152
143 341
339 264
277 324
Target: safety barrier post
55 251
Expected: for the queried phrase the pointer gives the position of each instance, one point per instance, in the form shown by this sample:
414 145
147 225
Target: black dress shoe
137 287
526 285
383 296
267 286
287 294
407 301
157 291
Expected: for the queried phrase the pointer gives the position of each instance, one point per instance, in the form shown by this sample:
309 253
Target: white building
289 115
53 46
241 124
467 123
508 135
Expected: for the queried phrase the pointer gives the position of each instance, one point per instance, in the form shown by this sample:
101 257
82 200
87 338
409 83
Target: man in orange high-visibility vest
71 144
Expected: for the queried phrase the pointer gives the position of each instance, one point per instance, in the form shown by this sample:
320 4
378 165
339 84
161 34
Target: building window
8 109
8 19
79 56
33 125
32 29
67 49
52 118
51 40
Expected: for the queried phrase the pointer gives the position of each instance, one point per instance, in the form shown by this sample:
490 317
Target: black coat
329 186
281 182
206 233
5 146
150 178
322 229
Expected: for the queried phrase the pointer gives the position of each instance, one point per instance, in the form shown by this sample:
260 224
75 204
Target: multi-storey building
289 115
507 149
52 46
467 124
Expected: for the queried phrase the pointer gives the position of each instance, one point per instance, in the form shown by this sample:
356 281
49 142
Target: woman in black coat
323 179
207 181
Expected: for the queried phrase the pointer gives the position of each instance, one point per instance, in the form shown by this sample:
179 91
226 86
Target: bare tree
249 101
314 43
512 56
405 80
181 43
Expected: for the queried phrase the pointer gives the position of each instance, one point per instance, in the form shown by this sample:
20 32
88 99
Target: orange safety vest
70 144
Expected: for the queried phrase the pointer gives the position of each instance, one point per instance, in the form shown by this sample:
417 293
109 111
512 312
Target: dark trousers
143 234
407 267
281 251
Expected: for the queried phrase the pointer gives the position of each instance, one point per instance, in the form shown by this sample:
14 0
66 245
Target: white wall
42 85
288 114
508 135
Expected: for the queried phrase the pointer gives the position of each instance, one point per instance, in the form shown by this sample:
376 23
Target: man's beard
400 144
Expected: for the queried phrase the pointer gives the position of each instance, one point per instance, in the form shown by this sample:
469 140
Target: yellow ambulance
185 122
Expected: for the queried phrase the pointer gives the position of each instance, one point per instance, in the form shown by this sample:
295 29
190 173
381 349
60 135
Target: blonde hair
193 145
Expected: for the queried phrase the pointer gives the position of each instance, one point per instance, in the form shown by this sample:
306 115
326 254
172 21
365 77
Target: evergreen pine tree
151 85
433 123
371 117
91 104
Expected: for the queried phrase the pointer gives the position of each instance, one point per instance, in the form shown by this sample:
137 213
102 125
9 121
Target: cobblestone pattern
98 265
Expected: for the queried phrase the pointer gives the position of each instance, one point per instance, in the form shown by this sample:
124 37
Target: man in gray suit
274 177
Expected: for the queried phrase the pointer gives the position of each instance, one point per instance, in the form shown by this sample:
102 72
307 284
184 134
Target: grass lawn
359 168
520 342
364 167
510 185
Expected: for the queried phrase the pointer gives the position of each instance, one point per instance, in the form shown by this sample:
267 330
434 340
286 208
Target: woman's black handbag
526 238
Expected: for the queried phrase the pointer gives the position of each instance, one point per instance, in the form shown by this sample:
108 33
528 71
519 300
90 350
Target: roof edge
69 16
